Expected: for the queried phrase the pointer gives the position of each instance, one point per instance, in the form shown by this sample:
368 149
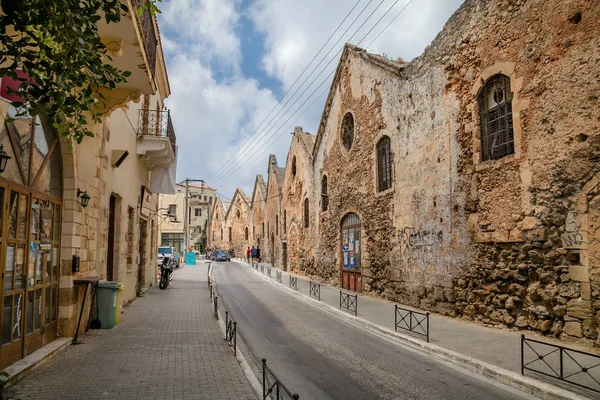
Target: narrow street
321 357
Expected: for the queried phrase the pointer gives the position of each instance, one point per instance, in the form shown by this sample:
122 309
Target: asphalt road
322 357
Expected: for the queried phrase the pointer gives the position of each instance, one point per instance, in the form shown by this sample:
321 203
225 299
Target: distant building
172 215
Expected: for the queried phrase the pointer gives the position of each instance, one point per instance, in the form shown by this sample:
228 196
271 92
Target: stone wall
512 242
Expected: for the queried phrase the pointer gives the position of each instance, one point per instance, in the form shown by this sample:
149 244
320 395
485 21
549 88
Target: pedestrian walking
248 252
258 253
253 253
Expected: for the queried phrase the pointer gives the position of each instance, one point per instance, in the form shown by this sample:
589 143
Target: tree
57 46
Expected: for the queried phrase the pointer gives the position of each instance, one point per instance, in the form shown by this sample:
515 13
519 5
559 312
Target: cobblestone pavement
168 346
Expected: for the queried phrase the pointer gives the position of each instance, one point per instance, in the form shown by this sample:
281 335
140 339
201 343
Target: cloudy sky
240 75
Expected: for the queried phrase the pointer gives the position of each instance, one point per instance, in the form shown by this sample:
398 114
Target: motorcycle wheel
164 280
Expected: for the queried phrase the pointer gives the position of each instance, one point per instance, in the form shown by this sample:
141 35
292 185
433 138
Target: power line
290 88
388 25
360 27
270 127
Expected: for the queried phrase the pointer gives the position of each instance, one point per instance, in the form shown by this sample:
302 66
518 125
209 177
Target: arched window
263 229
284 222
294 166
277 225
324 194
230 234
238 214
347 131
221 233
213 236
246 235
495 113
306 213
384 164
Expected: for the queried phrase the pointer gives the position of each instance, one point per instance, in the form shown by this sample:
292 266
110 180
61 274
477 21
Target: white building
172 215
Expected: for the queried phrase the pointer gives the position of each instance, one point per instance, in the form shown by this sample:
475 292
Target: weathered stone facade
509 240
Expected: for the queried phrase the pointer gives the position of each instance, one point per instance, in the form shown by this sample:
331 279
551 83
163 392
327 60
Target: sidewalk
167 346
500 348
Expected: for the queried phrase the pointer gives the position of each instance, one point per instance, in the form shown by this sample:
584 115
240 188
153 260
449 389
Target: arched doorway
350 247
30 216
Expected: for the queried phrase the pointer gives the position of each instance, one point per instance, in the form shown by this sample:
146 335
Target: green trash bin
107 303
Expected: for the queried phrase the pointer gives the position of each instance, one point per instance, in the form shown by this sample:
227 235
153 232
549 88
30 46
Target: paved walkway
168 346
501 348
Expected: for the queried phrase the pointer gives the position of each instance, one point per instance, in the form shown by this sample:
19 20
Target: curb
246 369
504 376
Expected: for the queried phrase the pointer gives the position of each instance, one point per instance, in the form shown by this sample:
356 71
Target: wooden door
351 254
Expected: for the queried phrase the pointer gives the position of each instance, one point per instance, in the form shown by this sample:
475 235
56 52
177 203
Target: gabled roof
306 140
238 193
259 186
278 172
221 206
393 67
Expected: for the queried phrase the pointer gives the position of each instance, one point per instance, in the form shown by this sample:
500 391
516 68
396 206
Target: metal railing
210 291
278 277
413 321
349 302
315 290
157 123
268 272
568 365
294 282
149 34
272 388
231 332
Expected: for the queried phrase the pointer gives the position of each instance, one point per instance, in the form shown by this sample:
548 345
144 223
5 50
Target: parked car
221 255
168 251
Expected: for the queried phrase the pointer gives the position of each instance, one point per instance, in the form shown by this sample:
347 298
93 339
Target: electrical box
75 264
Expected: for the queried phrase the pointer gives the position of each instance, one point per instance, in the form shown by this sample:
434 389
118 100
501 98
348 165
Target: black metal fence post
216 314
264 371
412 321
234 338
522 354
349 302
226 325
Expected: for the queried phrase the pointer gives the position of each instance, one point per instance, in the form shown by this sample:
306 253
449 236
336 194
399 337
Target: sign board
146 200
190 258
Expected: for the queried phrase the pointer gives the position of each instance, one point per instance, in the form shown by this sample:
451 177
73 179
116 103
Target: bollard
216 314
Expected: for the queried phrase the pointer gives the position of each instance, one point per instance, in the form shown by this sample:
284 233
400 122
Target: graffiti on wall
574 240
411 239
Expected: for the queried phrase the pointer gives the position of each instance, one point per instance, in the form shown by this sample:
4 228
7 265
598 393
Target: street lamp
4 157
85 198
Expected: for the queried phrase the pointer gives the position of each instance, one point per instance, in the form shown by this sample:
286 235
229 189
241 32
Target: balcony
156 138
134 45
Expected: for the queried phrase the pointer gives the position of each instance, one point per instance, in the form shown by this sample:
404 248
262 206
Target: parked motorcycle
166 272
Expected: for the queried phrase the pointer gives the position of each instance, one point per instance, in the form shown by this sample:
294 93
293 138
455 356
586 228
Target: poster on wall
351 240
345 259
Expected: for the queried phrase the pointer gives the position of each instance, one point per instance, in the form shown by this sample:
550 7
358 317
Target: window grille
348 131
384 164
306 213
495 111
324 194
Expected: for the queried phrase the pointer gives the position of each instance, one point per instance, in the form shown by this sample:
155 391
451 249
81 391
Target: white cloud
296 30
205 28
213 117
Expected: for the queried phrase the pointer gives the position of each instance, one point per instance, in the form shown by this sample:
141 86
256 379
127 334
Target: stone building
464 182
48 181
171 212
239 219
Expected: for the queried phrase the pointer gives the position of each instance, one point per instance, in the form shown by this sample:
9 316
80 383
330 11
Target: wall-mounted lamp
85 198
4 157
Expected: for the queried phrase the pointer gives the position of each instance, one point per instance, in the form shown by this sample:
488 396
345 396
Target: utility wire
388 25
293 84
269 127
360 27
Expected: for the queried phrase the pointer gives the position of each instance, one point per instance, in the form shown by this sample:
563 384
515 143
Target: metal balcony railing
147 27
157 123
